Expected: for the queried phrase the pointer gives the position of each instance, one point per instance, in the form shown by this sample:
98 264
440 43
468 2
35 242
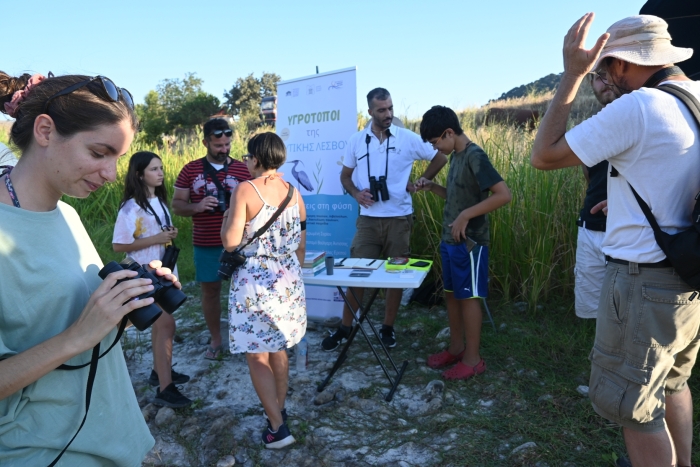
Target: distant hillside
542 85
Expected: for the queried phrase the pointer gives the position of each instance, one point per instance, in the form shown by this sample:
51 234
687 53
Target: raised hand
577 59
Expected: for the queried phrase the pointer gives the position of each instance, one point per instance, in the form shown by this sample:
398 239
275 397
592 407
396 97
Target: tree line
177 106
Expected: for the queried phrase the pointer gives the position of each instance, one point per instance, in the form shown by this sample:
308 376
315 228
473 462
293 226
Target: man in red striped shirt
202 191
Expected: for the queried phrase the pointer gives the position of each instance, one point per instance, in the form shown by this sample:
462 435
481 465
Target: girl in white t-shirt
142 231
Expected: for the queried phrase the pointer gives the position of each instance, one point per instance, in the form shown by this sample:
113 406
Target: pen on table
370 263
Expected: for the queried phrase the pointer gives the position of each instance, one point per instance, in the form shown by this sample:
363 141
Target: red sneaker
461 371
443 359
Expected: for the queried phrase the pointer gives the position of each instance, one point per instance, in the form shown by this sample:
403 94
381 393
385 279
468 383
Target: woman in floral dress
267 307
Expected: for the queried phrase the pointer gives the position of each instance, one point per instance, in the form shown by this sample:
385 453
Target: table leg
358 326
359 319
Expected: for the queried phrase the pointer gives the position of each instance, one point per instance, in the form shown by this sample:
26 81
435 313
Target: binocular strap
90 381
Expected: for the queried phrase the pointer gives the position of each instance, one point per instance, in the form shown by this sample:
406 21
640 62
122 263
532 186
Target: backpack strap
692 103
684 96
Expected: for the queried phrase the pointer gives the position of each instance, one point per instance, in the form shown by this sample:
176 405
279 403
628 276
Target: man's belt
589 226
661 264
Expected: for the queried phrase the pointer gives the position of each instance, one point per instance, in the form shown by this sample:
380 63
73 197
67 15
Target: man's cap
642 40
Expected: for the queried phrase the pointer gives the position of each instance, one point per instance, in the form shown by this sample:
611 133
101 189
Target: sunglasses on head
220 133
108 86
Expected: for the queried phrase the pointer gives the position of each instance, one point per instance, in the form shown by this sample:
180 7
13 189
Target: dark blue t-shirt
597 191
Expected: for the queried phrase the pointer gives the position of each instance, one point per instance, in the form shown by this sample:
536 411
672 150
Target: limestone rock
522 447
228 461
444 334
165 416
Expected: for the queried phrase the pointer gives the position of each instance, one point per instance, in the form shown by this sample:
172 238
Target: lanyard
150 210
8 185
368 139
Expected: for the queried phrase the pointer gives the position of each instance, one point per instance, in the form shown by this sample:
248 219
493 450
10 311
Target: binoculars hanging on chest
378 188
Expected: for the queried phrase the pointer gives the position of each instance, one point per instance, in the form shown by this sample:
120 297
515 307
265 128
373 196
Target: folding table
379 279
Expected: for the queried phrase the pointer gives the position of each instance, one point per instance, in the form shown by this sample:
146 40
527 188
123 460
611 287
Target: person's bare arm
428 185
586 175
500 196
301 250
363 197
436 164
182 207
550 150
161 238
104 310
235 218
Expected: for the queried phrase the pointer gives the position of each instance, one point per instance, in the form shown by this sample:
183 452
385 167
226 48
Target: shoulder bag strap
208 169
272 219
693 105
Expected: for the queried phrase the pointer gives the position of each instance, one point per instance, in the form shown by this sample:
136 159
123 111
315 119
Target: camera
377 187
229 261
164 293
222 200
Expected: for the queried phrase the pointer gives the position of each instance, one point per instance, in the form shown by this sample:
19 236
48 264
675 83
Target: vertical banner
315 117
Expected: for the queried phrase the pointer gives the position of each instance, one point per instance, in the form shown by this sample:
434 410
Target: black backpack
682 249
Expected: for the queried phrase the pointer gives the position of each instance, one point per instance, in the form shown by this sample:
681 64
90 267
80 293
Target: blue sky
458 53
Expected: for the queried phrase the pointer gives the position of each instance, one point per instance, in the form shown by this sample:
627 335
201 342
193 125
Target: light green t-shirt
48 270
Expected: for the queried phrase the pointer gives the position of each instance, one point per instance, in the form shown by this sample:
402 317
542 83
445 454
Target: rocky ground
348 424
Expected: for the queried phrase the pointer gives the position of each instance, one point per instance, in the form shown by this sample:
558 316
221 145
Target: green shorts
206 263
646 344
382 237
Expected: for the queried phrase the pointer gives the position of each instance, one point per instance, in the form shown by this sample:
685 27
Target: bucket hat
642 40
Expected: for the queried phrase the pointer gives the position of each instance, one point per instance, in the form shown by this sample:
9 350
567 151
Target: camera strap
150 210
272 219
213 173
96 356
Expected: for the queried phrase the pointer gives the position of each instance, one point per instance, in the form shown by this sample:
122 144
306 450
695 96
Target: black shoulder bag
172 252
681 249
230 261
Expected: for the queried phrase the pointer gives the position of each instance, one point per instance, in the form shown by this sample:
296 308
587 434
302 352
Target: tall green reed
532 238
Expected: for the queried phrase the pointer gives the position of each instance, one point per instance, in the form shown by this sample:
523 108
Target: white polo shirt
652 139
405 147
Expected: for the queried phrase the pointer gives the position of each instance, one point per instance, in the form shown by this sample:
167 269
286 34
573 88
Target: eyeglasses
602 75
220 133
433 143
246 157
111 89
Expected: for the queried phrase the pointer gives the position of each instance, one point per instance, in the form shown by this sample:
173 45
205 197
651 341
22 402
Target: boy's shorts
206 263
465 273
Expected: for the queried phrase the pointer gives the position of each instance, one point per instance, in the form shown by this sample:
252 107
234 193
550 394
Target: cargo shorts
645 346
382 237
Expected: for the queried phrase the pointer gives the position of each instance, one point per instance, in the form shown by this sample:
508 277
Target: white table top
379 278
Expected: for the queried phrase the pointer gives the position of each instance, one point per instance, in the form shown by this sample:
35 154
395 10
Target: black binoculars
164 293
378 187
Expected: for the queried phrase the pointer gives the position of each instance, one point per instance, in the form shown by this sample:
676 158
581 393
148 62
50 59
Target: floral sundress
267 303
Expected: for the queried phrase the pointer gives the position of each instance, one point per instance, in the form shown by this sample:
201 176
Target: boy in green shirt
465 237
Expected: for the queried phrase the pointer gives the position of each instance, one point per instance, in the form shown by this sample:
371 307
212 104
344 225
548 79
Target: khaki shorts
382 237
645 345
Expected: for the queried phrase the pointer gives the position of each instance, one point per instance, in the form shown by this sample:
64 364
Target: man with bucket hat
648 319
